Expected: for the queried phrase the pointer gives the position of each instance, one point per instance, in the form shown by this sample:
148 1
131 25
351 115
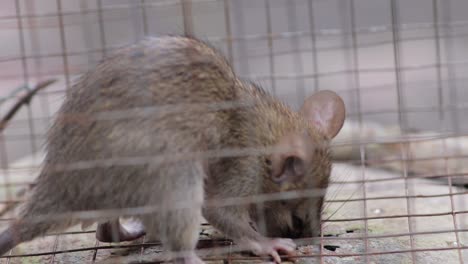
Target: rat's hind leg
115 231
178 215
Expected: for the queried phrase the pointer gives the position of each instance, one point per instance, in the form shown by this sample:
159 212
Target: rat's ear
326 111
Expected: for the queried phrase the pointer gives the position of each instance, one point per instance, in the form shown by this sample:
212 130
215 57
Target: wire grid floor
379 235
419 227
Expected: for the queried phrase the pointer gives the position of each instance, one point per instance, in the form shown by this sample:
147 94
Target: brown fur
163 73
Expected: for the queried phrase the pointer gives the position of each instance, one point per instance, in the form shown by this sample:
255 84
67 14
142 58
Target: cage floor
386 220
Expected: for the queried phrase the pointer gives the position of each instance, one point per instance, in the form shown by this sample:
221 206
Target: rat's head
303 164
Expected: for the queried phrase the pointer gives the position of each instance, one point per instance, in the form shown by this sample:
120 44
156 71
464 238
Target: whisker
338 190
351 196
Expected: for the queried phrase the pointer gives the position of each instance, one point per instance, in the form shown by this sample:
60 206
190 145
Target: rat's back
141 95
141 105
113 143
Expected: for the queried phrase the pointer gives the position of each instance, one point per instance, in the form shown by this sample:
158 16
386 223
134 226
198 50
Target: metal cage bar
238 39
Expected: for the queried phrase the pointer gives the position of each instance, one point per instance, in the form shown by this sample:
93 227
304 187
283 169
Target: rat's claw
272 246
274 254
189 260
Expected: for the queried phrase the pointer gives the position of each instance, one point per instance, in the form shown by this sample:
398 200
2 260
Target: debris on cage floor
387 240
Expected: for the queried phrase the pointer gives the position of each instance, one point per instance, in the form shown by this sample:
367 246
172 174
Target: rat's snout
297 229
302 228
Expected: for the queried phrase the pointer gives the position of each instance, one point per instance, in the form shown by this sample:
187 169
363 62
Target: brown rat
132 133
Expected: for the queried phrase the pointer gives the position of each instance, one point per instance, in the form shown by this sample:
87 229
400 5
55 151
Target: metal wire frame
442 23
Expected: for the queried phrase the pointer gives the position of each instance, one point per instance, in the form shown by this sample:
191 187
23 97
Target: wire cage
397 191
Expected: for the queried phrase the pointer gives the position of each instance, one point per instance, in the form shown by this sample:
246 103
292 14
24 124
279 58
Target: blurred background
412 74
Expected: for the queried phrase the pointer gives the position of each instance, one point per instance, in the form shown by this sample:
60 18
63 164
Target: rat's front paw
271 247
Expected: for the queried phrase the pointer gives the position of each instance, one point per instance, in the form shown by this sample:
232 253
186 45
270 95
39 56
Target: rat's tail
21 231
7 241
38 216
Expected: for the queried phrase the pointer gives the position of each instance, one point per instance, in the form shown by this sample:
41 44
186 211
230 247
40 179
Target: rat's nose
297 229
298 223
301 228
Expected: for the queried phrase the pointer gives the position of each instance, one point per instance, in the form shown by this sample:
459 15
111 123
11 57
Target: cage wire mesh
397 193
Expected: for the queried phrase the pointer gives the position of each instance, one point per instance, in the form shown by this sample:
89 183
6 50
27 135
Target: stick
25 99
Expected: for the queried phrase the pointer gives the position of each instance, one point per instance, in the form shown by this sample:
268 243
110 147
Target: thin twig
25 99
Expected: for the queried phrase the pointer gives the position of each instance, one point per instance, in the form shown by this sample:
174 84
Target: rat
162 127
